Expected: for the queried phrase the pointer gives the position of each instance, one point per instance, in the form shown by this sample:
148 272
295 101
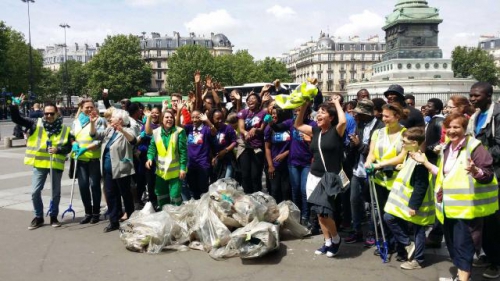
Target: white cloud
281 12
365 24
216 21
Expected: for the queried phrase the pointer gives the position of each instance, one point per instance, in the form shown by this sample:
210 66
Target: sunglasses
49 113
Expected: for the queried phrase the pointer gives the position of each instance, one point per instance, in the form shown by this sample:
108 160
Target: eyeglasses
49 113
450 107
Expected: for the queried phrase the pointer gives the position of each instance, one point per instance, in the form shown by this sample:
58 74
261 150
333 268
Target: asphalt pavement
84 252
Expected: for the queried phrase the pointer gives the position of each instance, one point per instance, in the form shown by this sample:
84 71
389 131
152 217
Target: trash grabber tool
70 208
49 145
384 251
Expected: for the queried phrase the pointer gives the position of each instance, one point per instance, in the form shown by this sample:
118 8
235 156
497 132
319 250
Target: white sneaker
410 250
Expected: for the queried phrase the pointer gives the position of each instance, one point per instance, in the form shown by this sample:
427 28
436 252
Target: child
410 200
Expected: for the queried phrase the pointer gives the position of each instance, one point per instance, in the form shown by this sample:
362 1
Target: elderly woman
168 148
466 190
116 164
327 157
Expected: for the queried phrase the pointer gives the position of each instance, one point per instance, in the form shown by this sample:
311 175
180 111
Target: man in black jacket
484 125
360 147
434 128
396 95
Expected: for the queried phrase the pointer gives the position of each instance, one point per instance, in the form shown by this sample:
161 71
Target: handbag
342 174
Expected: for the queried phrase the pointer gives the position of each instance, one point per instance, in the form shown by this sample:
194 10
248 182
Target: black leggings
251 165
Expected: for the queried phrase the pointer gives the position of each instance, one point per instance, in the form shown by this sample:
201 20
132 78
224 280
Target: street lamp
65 76
29 41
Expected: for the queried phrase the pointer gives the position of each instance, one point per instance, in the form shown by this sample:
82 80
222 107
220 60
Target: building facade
157 49
53 56
335 62
491 44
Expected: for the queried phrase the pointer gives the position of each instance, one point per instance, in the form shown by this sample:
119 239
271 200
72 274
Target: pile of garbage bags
225 223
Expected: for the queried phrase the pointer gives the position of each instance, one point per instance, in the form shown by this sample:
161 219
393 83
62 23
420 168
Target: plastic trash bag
289 221
247 208
255 240
272 213
212 232
146 232
184 220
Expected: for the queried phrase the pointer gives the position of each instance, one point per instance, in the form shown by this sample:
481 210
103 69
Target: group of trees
475 63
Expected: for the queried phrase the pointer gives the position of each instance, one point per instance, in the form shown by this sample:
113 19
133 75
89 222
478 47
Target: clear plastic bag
289 221
184 218
255 240
247 209
272 212
147 232
212 232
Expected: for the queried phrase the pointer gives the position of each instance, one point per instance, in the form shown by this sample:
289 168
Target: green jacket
181 144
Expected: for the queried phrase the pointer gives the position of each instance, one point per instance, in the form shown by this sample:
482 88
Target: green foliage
183 64
475 62
230 69
49 87
14 61
119 67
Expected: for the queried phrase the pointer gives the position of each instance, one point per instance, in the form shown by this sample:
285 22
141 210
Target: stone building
53 56
335 62
491 44
157 49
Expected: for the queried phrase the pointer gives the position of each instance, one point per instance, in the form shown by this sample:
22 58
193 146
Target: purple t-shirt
198 146
280 142
300 153
253 120
224 138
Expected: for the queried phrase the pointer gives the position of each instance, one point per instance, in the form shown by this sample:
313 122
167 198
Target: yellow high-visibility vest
167 160
463 196
399 198
84 140
385 151
36 148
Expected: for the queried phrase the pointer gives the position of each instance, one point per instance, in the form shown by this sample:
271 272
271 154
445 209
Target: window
436 65
319 66
330 86
330 57
492 44
158 43
363 66
319 57
341 47
158 65
158 53
342 76
319 76
400 66
408 66
341 56
445 65
417 65
352 75
362 47
427 66
159 84
169 43
79 58
373 56
330 76
158 75
329 66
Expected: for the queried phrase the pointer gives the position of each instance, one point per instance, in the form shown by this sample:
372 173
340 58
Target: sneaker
54 222
86 219
449 279
482 261
410 250
370 240
322 250
491 272
409 265
333 250
354 237
36 223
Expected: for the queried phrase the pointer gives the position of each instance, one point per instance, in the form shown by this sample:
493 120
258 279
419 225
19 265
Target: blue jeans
399 229
357 202
38 182
89 175
298 179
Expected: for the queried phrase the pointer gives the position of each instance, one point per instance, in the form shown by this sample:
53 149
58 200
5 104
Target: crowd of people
436 167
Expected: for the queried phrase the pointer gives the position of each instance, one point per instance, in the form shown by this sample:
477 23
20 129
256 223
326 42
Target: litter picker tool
49 145
384 249
70 208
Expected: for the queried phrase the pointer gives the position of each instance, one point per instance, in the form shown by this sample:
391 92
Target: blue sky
265 28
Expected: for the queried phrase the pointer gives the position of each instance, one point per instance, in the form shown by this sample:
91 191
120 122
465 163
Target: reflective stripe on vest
36 148
84 140
399 198
463 196
384 151
167 160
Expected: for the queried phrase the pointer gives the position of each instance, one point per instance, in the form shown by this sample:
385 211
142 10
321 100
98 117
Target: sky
264 28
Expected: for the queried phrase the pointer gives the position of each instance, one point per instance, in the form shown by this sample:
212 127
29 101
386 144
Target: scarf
53 128
83 119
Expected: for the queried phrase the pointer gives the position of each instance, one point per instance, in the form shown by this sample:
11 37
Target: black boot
86 219
95 219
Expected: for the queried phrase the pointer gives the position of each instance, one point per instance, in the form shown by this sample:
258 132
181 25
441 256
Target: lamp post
29 42
65 76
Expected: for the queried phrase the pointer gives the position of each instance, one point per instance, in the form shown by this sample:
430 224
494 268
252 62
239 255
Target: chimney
76 46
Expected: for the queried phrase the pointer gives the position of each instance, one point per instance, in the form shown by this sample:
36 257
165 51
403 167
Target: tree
235 69
475 62
183 64
49 87
119 67
77 77
270 69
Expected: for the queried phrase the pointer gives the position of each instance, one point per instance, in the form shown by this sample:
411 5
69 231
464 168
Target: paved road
75 252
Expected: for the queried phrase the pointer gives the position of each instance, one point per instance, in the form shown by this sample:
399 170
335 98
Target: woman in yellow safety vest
386 151
466 190
168 148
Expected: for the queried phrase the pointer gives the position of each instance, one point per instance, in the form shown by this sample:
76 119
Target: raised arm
299 121
340 115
